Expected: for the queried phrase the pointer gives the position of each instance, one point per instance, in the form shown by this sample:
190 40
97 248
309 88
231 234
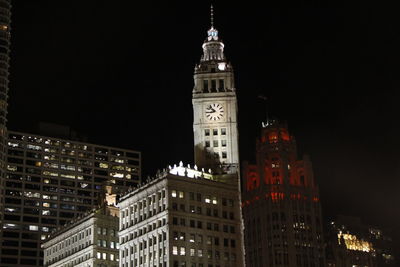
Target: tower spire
212 16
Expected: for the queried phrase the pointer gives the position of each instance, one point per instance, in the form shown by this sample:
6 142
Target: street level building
88 241
281 207
183 217
51 181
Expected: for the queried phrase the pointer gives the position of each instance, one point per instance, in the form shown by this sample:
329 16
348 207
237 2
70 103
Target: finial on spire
212 17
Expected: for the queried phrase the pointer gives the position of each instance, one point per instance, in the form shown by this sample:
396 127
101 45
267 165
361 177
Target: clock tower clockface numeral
214 112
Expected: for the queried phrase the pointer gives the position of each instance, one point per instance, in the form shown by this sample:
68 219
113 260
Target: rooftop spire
212 32
212 17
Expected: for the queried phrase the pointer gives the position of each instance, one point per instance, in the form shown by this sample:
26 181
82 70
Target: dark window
213 85
221 84
205 85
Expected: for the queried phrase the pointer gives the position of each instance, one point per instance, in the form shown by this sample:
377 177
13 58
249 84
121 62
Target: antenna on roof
212 17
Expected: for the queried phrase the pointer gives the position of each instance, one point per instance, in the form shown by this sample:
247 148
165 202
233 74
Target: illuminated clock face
214 112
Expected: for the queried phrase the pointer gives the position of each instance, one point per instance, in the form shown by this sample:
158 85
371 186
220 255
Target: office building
183 217
281 206
90 240
192 217
49 182
5 23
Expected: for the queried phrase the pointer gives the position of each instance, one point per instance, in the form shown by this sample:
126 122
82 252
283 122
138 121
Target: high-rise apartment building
49 182
184 217
5 22
90 240
281 208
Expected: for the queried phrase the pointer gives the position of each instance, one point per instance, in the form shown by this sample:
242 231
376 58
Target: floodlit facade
88 241
281 207
352 243
183 217
215 108
49 182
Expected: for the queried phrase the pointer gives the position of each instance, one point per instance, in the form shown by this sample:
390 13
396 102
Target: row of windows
19 178
54 157
215 143
144 203
214 132
199 197
213 87
29 227
209 254
107 256
115 174
69 241
199 210
100 150
143 230
199 225
198 239
142 245
56 165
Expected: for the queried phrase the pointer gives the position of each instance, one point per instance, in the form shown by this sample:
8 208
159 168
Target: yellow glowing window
103 165
117 174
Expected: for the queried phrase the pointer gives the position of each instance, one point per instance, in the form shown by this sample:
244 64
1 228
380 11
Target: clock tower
215 108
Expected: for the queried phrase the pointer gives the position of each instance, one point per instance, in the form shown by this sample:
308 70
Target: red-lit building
281 207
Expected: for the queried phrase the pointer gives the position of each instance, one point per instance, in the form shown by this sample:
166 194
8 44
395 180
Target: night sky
123 75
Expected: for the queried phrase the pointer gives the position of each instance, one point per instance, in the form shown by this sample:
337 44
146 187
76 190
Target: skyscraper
215 107
5 22
281 208
192 216
50 181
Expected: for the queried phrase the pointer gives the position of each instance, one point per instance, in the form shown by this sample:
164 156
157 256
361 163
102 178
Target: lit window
99 255
117 174
192 252
173 193
181 194
192 238
174 250
214 200
183 251
112 257
33 228
200 253
207 199
104 256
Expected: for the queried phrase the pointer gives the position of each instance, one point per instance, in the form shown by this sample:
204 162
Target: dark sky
123 75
